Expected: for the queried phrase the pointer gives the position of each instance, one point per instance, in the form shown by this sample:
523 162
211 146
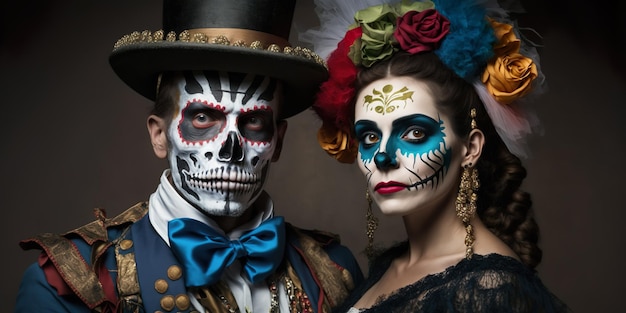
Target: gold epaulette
336 282
68 261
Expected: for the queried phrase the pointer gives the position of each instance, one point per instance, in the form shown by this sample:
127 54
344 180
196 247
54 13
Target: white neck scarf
166 204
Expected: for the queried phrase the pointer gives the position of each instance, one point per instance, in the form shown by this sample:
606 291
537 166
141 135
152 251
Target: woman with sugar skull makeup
207 240
429 98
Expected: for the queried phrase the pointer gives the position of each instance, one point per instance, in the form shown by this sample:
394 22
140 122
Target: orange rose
507 41
336 143
509 74
509 77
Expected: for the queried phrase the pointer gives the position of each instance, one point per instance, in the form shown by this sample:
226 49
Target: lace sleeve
498 290
492 283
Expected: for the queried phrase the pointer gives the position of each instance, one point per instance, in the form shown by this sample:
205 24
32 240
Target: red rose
421 31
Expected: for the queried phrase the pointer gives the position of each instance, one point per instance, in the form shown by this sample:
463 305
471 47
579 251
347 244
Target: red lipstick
389 187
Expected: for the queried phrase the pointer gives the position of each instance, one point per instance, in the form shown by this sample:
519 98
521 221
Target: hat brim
140 64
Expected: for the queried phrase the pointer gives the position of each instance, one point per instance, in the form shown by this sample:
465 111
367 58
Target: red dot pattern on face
259 125
188 129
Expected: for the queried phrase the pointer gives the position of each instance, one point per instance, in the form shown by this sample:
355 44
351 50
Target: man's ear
281 129
157 128
475 142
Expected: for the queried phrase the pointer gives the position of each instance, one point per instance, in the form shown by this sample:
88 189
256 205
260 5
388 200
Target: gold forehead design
386 101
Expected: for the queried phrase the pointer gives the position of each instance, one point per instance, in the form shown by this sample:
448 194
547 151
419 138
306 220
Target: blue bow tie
205 253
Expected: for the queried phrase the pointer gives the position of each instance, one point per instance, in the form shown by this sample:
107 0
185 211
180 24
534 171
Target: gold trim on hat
242 35
224 36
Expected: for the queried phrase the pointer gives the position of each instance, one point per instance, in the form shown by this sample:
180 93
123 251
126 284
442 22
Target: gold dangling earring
372 224
466 198
466 205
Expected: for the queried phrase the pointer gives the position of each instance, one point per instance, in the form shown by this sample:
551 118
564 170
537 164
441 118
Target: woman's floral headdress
477 41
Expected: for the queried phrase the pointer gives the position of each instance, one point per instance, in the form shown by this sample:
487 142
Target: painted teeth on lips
222 185
236 176
389 187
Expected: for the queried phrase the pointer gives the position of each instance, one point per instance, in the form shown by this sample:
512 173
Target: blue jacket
77 271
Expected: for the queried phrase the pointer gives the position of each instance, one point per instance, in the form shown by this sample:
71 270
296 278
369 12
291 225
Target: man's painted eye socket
414 134
254 123
202 120
370 138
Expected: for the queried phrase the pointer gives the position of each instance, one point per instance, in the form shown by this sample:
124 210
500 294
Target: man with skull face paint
222 140
207 240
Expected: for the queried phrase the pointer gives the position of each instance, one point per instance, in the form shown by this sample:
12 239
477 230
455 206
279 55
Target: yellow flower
337 143
507 41
509 77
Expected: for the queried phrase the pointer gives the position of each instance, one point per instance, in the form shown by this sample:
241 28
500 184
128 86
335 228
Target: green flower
378 24
355 52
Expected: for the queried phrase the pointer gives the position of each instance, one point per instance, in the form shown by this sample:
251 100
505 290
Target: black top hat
246 36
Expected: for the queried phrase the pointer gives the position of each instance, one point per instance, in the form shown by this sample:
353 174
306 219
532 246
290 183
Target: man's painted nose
231 151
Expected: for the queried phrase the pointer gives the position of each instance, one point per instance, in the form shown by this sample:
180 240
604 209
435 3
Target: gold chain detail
298 300
372 225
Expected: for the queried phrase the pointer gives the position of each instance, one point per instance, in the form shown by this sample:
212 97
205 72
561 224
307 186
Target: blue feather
469 44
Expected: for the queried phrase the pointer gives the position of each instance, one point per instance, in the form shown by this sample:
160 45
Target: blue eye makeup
368 135
415 135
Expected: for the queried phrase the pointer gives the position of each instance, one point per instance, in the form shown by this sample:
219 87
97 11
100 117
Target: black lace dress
486 283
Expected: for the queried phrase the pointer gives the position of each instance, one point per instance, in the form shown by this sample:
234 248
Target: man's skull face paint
405 147
222 138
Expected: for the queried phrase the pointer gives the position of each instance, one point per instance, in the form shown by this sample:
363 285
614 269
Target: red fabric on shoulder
53 276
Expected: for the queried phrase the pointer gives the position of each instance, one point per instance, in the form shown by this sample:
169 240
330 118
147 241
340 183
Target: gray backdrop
74 138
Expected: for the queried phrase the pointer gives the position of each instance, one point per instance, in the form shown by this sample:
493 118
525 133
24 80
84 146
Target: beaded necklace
298 300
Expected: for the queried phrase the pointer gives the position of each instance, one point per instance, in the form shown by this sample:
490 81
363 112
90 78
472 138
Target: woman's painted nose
385 161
